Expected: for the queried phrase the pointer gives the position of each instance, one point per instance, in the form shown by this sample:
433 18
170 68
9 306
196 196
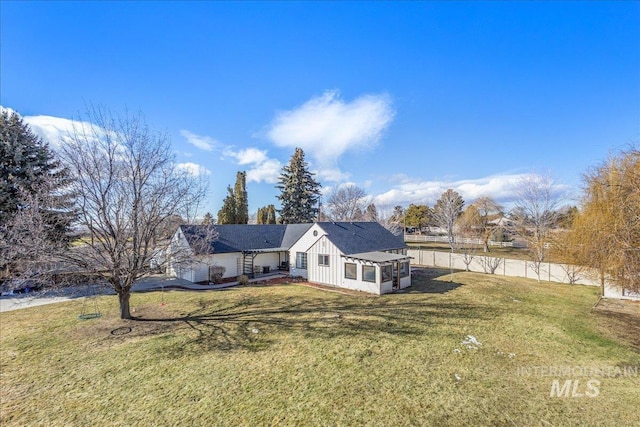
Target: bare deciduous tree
535 216
446 212
127 186
346 203
26 250
392 219
490 264
487 209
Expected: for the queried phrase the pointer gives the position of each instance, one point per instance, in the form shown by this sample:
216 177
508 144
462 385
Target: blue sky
402 99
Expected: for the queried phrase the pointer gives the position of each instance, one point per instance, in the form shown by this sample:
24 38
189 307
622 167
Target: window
404 269
350 271
369 273
386 272
301 260
323 260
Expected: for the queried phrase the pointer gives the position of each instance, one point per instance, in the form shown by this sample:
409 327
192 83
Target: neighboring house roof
243 237
358 237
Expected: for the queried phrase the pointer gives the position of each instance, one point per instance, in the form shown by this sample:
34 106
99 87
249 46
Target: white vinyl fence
513 268
506 267
417 238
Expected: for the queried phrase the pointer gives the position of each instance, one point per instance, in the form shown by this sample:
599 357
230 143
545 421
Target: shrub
243 280
216 272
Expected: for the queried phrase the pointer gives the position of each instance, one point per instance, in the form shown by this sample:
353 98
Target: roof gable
358 237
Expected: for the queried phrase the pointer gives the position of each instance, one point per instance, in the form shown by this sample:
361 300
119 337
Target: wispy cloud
205 143
326 127
408 190
193 169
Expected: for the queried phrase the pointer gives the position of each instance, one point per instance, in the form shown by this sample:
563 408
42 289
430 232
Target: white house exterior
362 256
237 249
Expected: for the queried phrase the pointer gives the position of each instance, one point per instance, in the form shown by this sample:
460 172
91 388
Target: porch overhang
377 257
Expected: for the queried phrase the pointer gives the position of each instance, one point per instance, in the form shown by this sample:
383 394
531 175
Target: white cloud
54 130
205 143
267 171
261 167
193 169
326 127
247 156
407 190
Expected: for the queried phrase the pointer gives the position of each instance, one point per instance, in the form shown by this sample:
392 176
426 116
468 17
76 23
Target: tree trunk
123 297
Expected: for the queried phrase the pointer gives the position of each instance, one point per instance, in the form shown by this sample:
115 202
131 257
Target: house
362 256
199 252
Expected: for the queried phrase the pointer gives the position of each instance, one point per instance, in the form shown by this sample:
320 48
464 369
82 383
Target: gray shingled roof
243 237
358 237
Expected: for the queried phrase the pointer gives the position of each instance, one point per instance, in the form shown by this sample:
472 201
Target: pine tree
227 214
271 215
242 204
299 191
28 168
266 215
208 219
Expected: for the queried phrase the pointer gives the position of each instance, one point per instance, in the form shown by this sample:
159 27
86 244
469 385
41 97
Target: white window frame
301 260
355 270
323 260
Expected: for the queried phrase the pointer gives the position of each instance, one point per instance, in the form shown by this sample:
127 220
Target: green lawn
294 355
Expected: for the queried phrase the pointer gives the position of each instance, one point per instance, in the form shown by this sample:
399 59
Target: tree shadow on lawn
621 325
424 280
255 323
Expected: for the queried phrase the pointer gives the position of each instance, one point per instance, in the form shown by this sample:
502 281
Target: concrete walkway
147 284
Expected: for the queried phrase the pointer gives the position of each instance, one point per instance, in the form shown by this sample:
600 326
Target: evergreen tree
208 219
227 214
267 215
271 215
28 168
242 204
299 191
261 216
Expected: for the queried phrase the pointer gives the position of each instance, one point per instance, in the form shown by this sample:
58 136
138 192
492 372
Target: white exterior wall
405 282
269 259
358 284
331 274
228 260
302 245
180 254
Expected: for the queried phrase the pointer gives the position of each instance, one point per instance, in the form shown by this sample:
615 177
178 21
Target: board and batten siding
330 274
302 245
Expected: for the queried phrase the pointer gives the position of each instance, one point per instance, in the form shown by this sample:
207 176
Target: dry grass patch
294 355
